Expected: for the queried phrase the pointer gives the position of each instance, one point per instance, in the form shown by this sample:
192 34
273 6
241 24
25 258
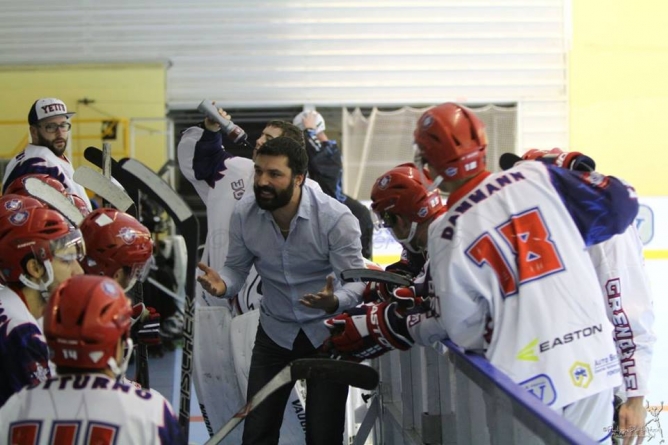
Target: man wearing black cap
49 131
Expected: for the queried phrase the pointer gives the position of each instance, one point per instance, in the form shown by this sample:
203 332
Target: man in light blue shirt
296 236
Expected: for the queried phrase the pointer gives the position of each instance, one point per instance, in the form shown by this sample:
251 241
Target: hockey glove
145 325
368 331
571 160
407 299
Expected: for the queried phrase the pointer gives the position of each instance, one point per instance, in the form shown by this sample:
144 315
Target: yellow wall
119 91
619 89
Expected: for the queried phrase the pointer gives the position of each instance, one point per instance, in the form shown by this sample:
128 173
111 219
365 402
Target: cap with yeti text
49 107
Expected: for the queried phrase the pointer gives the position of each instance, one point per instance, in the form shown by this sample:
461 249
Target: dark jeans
325 400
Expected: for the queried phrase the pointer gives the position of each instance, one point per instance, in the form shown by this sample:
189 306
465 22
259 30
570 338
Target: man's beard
279 199
51 144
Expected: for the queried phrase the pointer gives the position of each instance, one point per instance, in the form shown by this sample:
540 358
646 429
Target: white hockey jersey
23 350
514 279
88 409
620 268
220 180
37 159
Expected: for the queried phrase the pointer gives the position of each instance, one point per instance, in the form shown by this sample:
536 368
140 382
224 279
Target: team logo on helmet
427 121
110 289
19 218
127 235
13 205
423 212
384 182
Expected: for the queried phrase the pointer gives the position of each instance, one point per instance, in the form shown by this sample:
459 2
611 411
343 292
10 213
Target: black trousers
325 400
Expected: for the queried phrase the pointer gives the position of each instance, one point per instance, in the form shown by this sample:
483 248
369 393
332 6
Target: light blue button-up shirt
324 239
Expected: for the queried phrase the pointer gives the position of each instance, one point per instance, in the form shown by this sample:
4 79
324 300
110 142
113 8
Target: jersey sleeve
601 206
325 165
30 360
170 432
620 268
202 158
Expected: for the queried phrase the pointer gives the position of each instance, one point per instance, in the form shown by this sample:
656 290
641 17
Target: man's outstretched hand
325 299
211 281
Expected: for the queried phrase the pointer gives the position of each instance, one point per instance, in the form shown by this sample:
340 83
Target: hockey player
87 324
508 258
628 298
405 206
49 131
120 247
39 251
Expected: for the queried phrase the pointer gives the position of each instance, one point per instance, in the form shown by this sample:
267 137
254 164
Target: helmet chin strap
406 242
119 370
42 287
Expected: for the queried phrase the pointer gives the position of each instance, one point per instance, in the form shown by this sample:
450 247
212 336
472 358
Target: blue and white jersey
36 159
25 356
514 279
88 409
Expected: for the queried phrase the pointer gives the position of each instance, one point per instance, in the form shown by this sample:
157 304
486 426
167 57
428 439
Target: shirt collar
467 187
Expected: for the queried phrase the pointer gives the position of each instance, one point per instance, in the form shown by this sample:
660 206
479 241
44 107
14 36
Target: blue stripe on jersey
32 166
170 433
601 206
209 158
29 358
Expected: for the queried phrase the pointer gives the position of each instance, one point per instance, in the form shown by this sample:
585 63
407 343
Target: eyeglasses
52 128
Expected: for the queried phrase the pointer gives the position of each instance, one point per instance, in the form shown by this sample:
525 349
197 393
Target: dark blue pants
325 400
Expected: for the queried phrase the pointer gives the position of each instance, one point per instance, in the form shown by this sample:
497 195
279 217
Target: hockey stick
378 276
159 191
348 373
103 187
55 199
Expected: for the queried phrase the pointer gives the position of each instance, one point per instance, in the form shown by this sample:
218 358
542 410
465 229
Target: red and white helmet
116 240
36 232
18 186
84 320
79 203
401 191
452 140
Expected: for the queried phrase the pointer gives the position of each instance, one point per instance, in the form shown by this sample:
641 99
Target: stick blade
340 371
103 187
54 199
378 276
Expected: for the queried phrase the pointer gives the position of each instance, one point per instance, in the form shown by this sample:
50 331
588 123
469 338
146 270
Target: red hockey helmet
452 140
18 185
13 203
79 203
401 191
115 240
36 231
84 320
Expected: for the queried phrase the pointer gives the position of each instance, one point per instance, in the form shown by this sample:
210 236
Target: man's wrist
334 307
